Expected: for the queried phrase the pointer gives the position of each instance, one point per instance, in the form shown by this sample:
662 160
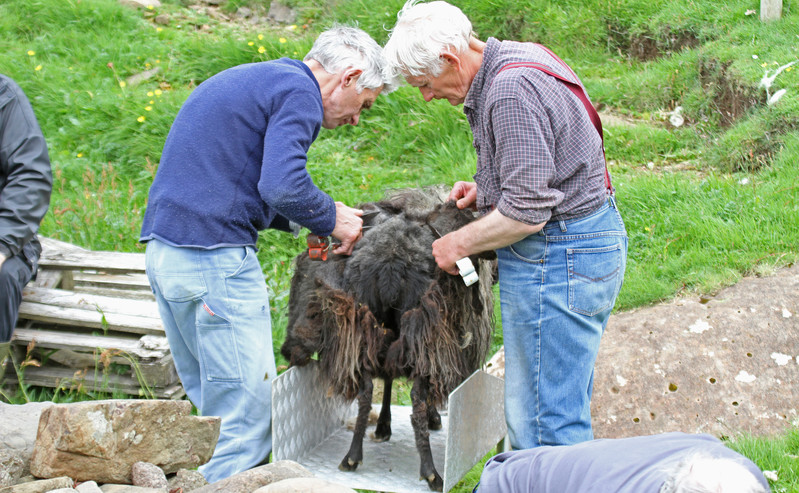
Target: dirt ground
724 363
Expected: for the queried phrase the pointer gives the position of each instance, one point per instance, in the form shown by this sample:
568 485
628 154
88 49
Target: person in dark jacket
234 163
25 185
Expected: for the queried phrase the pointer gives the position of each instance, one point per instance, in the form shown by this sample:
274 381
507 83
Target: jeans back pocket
595 278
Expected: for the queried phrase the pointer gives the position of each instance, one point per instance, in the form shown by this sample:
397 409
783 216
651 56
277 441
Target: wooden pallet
91 322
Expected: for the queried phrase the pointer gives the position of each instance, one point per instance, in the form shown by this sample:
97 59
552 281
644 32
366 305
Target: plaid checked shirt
539 157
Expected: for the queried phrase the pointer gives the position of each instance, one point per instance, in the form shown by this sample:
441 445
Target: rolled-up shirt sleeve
524 148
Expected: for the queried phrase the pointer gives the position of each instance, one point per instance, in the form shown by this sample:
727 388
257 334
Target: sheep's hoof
435 482
382 433
348 464
434 422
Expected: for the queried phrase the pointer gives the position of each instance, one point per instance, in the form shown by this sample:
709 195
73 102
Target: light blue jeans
557 289
215 310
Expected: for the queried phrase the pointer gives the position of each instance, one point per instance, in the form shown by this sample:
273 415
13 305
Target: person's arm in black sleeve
25 174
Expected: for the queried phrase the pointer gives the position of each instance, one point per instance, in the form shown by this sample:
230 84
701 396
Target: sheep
388 311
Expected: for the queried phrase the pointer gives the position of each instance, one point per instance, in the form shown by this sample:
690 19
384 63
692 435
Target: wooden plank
46 279
94 260
68 379
58 245
52 339
87 301
90 318
132 281
128 294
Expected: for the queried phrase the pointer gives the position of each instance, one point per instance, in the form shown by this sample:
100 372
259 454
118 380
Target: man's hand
465 194
348 228
447 250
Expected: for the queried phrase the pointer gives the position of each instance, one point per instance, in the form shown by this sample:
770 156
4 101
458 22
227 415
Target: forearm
490 232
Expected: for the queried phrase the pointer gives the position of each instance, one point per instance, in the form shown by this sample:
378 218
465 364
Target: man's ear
349 76
452 59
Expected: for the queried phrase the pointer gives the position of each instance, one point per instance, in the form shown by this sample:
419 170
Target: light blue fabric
557 289
215 309
624 465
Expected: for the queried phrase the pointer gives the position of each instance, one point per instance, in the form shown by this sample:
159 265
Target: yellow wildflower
158 92
122 83
31 52
251 43
80 154
140 119
148 108
149 94
260 36
282 40
38 67
261 49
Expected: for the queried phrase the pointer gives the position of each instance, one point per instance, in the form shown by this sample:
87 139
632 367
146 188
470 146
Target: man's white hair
701 473
423 32
343 47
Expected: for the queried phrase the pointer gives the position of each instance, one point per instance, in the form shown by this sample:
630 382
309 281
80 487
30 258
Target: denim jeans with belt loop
215 310
557 289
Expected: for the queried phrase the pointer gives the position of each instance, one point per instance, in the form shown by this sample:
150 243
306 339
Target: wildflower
38 67
282 40
150 7
251 43
147 65
152 102
140 119
292 27
148 108
260 37
31 52
261 49
80 154
122 83
159 29
158 92
149 94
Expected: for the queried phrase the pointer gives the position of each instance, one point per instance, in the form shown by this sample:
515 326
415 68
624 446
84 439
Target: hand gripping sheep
388 311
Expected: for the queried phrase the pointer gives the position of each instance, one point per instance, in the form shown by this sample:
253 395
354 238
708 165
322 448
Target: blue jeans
215 310
557 289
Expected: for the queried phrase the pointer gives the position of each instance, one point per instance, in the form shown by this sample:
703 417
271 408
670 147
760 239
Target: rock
187 480
17 436
304 485
63 490
88 487
148 475
41 486
125 488
281 13
136 79
720 364
162 19
140 4
12 468
257 477
101 440
244 12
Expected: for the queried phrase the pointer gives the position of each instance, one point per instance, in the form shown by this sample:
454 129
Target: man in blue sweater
234 163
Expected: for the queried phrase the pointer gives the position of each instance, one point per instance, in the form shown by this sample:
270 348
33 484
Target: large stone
257 477
304 485
101 440
148 475
722 364
17 436
41 486
187 480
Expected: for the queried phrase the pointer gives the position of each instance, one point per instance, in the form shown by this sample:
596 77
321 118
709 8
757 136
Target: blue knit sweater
234 160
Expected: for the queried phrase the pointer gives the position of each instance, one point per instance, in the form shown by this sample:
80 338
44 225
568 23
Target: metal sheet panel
310 428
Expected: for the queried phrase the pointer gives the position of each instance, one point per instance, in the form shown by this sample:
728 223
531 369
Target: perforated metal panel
310 427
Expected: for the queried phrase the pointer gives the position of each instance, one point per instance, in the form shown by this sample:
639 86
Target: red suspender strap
578 91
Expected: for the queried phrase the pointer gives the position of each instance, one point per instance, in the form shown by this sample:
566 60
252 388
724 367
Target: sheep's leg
433 418
383 429
419 420
355 454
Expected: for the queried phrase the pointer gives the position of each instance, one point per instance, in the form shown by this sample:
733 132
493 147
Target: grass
704 204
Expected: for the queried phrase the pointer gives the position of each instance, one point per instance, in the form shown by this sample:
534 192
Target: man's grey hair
702 473
423 32
342 47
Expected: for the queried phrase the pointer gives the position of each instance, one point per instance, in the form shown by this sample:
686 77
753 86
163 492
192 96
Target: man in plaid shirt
547 206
